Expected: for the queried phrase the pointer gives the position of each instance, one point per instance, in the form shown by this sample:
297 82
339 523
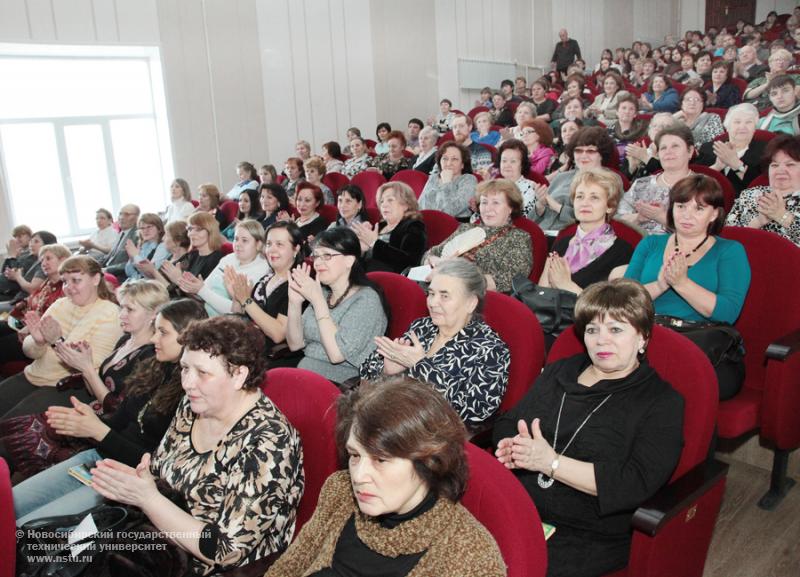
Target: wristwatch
247 301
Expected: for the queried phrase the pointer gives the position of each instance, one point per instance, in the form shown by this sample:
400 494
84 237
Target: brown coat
456 544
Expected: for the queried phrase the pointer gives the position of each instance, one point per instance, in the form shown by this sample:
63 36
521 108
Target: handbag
721 342
555 308
43 549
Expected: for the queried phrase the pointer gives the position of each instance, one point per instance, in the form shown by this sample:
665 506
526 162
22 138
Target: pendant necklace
689 254
544 481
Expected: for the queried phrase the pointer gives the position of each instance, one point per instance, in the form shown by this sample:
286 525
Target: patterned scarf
585 248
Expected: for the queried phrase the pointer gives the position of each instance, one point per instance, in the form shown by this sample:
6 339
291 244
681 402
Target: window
82 128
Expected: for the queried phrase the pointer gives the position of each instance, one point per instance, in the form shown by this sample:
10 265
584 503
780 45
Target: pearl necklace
671 184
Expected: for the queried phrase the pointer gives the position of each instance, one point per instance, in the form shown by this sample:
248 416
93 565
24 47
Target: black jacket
407 243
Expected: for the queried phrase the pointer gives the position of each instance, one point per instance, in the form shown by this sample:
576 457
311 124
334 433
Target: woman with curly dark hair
395 510
135 428
229 455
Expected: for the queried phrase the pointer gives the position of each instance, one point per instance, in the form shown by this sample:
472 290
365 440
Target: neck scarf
585 248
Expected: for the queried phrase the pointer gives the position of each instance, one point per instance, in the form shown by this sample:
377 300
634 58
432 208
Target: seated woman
352 206
660 96
393 160
686 73
360 159
590 147
203 256
483 133
645 204
308 199
694 274
23 275
399 240
176 241
501 112
561 162
757 92
30 443
776 207
88 313
450 188
267 174
150 247
426 159
274 204
382 134
443 120
544 105
315 170
627 128
537 136
332 157
722 93
453 349
589 255
513 163
739 159
597 434
13 330
248 180
210 202
705 126
571 109
267 302
229 454
101 241
604 107
295 174
245 259
395 511
336 332
180 206
249 204
641 158
500 250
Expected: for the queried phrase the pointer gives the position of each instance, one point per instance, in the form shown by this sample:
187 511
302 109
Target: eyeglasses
527 132
578 151
694 99
324 257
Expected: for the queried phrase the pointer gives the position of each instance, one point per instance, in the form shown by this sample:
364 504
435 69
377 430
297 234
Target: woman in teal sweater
693 274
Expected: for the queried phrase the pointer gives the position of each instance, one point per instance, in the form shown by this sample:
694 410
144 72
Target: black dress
197 264
405 248
751 158
634 441
275 303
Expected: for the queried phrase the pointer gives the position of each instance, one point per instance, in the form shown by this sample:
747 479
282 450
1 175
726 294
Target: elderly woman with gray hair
738 157
453 349
426 159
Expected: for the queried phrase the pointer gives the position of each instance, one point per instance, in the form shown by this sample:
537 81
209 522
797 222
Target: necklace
694 250
544 481
670 184
334 304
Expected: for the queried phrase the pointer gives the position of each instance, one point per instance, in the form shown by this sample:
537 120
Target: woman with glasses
337 331
151 246
705 126
590 147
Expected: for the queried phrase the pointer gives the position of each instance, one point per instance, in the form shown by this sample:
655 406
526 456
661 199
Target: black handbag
555 308
43 549
721 342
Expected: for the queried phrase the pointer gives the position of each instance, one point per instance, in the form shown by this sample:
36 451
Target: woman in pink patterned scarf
589 255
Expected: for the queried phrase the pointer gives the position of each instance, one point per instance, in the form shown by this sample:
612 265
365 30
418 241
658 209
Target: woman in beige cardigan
395 509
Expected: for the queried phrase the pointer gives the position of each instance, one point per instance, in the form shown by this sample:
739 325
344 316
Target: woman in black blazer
399 240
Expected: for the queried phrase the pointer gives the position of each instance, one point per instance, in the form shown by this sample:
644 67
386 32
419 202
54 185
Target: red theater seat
405 298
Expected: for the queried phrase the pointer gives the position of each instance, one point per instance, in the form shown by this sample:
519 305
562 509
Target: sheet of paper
86 528
420 273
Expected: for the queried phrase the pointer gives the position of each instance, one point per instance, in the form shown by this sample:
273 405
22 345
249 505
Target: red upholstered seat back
413 178
497 499
335 181
539 242
438 226
405 298
308 401
369 181
519 328
230 208
770 309
684 366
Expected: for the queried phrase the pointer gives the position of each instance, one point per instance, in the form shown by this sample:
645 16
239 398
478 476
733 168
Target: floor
751 542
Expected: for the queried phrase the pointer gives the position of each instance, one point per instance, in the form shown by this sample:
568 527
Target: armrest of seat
673 498
785 346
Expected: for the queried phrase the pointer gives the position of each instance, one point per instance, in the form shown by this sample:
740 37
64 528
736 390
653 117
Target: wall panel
41 20
74 20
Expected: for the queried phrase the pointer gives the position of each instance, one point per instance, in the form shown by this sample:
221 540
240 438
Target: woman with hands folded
597 434
336 331
135 428
202 258
453 349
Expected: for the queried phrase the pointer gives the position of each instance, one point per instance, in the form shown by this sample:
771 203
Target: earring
641 349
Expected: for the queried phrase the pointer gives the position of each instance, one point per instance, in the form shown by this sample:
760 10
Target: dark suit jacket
752 158
427 165
116 259
407 243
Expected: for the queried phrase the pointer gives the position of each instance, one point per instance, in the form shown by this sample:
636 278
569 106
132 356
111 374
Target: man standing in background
566 52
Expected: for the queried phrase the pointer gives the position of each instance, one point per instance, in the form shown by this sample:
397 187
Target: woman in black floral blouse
230 454
453 349
394 160
776 207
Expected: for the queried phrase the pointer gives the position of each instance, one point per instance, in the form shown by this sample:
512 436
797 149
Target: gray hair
468 273
744 108
428 131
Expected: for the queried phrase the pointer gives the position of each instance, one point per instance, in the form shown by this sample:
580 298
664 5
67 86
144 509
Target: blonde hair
57 250
213 193
317 164
404 193
147 293
155 220
606 179
254 228
87 265
207 222
506 188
